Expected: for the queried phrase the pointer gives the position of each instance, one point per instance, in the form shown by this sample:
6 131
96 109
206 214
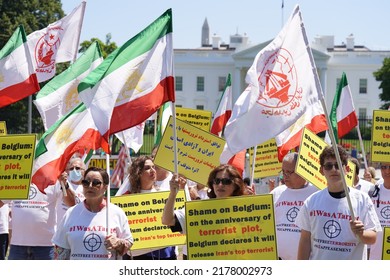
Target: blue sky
261 20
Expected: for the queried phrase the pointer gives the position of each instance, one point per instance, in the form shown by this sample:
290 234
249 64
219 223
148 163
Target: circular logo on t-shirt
92 242
292 214
332 229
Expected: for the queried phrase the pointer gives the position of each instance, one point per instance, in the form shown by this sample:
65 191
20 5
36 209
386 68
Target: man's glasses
75 167
384 167
287 173
95 183
329 166
224 181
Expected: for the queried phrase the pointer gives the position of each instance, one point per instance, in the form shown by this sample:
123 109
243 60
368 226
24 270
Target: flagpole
336 152
253 164
362 146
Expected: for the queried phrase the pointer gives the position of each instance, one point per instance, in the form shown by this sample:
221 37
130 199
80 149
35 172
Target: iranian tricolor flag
224 109
165 113
343 115
133 81
68 135
17 77
59 96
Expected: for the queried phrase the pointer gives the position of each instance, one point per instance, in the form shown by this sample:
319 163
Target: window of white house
199 83
362 113
179 83
199 107
363 86
221 83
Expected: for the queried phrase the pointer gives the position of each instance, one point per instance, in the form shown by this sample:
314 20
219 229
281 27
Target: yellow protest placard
308 164
3 128
198 151
198 118
386 244
380 140
144 212
234 228
16 160
266 161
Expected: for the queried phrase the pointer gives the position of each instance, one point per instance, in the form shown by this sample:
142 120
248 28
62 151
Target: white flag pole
362 146
331 133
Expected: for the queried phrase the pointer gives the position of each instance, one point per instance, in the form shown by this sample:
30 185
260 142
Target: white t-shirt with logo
34 220
84 232
287 203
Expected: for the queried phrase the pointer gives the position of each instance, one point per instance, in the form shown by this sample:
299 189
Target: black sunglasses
224 181
329 166
384 167
87 183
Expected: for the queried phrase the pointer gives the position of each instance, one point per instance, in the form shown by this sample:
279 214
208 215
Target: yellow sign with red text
234 228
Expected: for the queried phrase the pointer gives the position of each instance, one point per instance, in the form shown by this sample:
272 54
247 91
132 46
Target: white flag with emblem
56 43
283 83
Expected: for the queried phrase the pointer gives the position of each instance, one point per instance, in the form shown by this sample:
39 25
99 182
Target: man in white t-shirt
288 199
33 224
329 231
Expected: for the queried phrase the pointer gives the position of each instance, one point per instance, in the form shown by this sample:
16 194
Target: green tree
383 76
106 48
33 15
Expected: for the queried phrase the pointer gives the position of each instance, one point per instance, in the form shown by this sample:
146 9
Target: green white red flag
343 116
59 96
224 110
133 81
73 132
17 76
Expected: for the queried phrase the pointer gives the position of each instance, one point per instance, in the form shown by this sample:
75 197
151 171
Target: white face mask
75 175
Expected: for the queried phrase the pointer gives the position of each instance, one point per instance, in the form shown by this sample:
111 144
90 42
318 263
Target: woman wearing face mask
70 181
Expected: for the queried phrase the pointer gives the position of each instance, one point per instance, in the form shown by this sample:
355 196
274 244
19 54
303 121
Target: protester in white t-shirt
288 199
85 232
33 224
328 231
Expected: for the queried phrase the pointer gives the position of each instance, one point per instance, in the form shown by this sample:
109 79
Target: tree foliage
383 76
106 48
33 15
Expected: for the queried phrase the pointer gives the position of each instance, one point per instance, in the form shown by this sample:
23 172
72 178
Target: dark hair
233 174
328 152
103 173
135 171
247 181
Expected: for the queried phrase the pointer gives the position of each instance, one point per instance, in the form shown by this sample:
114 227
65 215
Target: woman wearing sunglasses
83 234
143 176
224 181
328 231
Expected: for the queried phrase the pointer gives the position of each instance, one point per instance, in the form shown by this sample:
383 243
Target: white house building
201 72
